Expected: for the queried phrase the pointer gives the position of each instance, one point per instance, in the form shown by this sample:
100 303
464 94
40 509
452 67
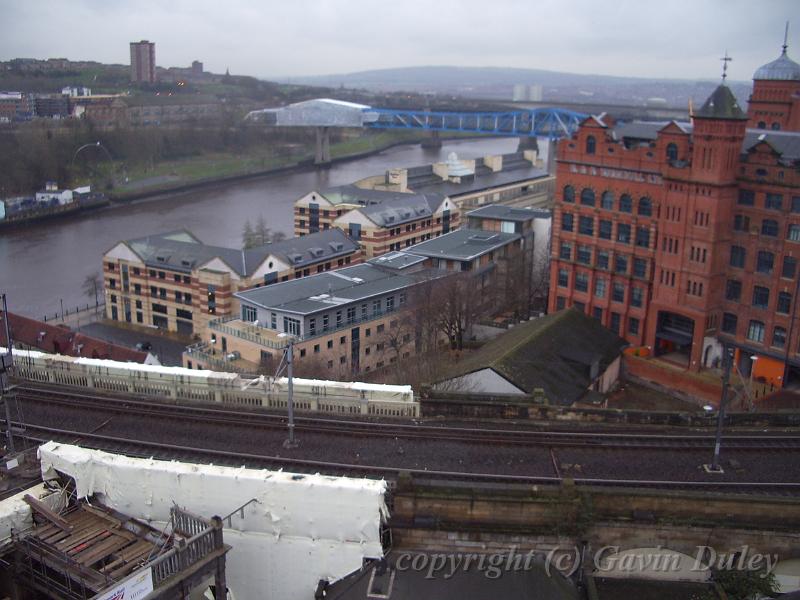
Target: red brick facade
679 236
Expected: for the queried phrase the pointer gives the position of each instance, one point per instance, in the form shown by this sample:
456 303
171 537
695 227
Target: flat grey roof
482 182
463 244
396 260
332 289
509 213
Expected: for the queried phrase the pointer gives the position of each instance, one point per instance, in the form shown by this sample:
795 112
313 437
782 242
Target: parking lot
167 349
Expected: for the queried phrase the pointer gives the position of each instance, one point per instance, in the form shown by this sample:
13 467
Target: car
144 346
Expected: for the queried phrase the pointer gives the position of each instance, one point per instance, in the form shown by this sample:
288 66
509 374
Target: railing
73 311
200 351
217 325
206 537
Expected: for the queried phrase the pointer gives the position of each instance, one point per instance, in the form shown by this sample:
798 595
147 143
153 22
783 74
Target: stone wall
438 518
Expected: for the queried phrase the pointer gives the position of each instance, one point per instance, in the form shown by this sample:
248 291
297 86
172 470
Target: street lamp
715 467
753 360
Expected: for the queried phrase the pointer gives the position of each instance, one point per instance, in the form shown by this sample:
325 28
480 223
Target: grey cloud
679 38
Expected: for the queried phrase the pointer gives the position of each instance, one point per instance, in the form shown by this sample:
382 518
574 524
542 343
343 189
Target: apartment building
381 221
143 62
342 322
679 236
175 282
515 179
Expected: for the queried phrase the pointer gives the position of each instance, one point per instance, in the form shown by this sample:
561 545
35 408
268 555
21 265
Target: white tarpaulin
296 530
16 514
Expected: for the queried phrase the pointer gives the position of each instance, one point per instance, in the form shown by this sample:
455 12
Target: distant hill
497 83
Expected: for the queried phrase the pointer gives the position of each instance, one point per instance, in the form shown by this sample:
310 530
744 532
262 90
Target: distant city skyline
678 39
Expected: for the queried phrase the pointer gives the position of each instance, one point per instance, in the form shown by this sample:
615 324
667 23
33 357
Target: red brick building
677 235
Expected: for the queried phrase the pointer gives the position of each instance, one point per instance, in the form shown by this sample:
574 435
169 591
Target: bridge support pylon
323 153
528 142
432 141
551 156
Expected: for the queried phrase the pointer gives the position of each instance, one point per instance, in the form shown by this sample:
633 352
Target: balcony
233 325
216 360
269 338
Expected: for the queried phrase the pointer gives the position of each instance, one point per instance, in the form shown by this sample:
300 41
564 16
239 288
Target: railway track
378 429
145 449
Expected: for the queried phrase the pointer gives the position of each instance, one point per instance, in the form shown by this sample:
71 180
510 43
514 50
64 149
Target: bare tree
455 307
248 237
92 285
523 281
260 234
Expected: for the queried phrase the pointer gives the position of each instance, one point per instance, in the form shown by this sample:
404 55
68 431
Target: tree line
36 152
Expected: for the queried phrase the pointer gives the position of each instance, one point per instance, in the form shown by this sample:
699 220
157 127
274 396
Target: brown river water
45 263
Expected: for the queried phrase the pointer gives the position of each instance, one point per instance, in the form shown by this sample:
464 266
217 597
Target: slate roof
314 247
555 353
642 589
351 194
786 143
509 213
62 340
182 251
386 208
463 244
402 210
529 581
721 104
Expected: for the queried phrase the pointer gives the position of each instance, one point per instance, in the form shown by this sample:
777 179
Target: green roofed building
568 355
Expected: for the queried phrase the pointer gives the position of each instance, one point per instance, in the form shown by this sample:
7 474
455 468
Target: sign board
135 587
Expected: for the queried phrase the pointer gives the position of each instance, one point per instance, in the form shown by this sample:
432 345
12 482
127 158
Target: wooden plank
102 515
85 536
101 550
90 543
77 532
125 554
43 510
132 564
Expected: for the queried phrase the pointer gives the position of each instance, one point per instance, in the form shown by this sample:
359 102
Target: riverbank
46 261
193 179
19 220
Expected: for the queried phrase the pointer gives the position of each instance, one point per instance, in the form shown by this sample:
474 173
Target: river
45 263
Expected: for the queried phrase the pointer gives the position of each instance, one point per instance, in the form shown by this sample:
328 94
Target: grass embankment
167 175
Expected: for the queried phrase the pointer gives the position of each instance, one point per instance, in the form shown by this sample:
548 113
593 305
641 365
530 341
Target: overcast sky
669 38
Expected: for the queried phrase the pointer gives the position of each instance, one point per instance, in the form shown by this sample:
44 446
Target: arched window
591 144
625 203
672 151
569 193
645 207
761 125
607 200
587 197
776 126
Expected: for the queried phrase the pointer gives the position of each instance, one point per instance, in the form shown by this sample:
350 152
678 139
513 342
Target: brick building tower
775 102
679 236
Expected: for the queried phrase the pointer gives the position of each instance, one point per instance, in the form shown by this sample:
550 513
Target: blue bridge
324 113
550 123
